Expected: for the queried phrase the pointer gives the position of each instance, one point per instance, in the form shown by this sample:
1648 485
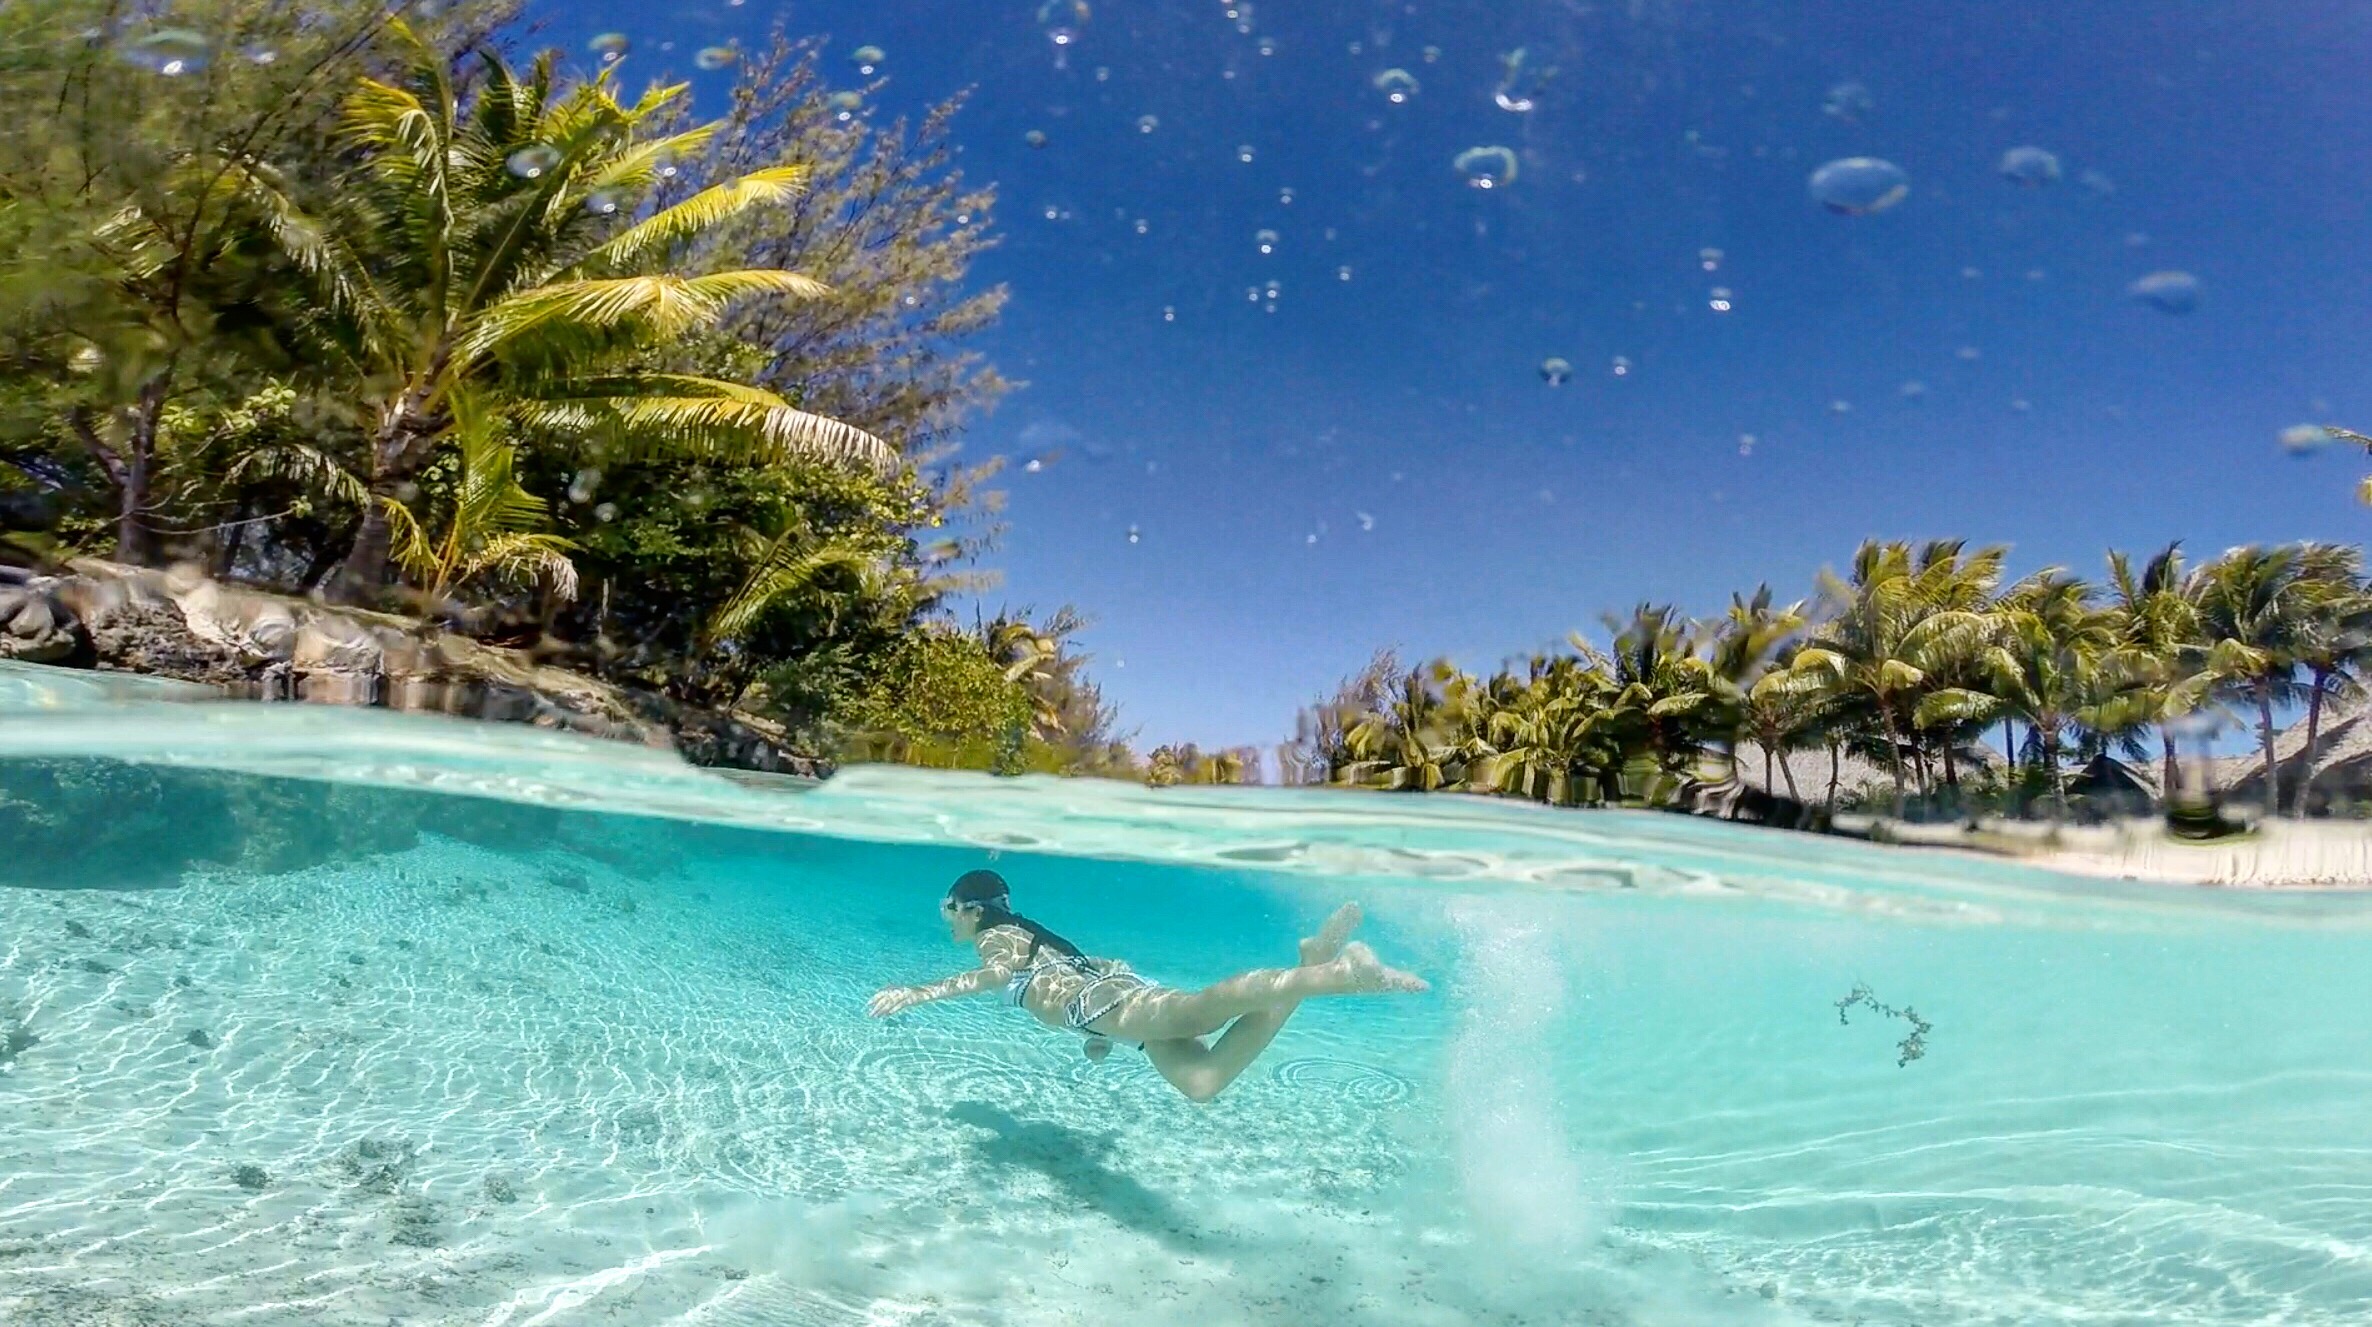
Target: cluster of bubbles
1486 167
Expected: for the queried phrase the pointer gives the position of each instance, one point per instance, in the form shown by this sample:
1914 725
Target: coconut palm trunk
1894 755
2171 779
2314 728
2264 689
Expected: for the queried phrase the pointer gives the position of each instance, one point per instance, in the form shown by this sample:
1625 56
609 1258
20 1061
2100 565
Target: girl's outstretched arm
979 981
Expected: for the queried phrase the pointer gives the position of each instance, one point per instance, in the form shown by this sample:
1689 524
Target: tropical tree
2156 624
490 526
2334 643
2254 604
1751 643
500 243
1895 618
2046 651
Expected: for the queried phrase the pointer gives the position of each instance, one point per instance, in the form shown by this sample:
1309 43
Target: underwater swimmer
1102 1000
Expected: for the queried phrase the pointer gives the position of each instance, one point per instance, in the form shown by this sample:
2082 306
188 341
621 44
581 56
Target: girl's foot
1364 973
1326 945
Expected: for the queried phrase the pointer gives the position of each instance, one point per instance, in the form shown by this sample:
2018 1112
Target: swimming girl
1102 1000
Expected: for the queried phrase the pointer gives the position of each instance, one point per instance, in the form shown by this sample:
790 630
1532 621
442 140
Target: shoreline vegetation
379 360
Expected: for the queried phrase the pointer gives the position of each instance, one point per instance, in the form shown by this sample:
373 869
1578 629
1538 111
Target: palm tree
1750 644
2254 603
492 526
1665 695
1898 616
2043 662
2157 629
2335 639
1414 743
496 245
1547 736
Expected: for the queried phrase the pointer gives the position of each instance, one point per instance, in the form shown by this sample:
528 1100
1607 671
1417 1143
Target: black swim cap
978 887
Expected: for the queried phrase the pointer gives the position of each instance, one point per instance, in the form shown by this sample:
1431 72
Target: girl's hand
893 1000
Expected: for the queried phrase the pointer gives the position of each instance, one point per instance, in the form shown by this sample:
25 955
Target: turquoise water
575 1035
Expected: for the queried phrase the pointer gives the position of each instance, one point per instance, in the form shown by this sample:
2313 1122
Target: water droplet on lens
1431 54
1244 154
1486 167
1516 84
2167 292
1285 196
1746 443
1342 273
1556 372
584 485
1709 259
713 58
1622 366
1062 20
1035 138
846 105
1266 240
170 51
1133 535
1969 354
1719 300
606 512
1169 314
1142 226
605 202
2029 166
1913 390
1366 522
1840 406
2098 183
1848 101
610 46
867 58
531 162
1267 46
261 55
2299 439
1147 124
1397 85
1858 186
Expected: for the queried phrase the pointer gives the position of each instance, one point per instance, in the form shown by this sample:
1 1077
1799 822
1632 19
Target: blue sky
1377 461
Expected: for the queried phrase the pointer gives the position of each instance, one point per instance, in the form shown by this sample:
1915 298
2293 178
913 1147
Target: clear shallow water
595 1053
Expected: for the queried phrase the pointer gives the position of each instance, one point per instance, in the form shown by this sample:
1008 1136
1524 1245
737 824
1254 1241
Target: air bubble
610 46
1142 226
1267 241
867 58
1719 300
713 58
1556 372
1147 124
1709 259
1244 154
1342 273
605 202
1035 138
1622 366
1134 535
606 512
1859 186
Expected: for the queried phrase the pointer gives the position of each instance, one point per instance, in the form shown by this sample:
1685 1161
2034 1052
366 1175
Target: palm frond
702 211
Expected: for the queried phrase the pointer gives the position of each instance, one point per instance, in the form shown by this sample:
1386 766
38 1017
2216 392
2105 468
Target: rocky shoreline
182 625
